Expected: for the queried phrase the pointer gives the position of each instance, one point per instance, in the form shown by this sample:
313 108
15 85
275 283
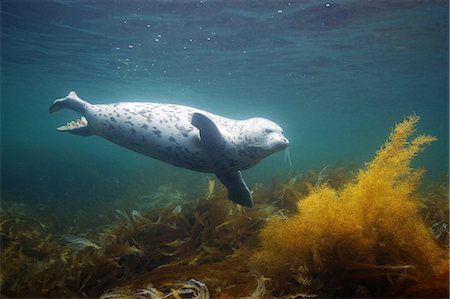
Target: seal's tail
72 101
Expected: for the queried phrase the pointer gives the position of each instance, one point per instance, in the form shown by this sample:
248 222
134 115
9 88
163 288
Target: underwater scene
224 149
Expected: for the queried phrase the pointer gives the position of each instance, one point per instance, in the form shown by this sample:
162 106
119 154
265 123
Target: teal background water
336 75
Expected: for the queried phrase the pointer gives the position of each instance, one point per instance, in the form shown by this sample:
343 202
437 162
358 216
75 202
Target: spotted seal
182 136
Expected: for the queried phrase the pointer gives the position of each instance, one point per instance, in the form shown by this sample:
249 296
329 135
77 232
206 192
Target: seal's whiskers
287 158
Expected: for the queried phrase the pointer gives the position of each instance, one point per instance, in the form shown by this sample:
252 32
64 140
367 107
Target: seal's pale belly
165 132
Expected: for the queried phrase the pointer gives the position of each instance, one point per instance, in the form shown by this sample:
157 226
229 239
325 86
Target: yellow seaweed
350 240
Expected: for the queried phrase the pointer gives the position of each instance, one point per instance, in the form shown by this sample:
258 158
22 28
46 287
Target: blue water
336 75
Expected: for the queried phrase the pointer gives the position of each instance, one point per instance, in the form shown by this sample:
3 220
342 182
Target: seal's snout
284 143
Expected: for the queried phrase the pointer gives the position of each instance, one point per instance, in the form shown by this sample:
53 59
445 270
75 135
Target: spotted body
180 135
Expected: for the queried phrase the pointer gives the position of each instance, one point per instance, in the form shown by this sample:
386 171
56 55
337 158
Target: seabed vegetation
337 232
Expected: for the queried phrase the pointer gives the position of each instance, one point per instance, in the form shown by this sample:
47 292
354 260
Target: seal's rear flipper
72 101
237 189
77 127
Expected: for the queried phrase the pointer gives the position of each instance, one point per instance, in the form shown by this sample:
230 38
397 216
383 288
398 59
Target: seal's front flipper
210 135
237 189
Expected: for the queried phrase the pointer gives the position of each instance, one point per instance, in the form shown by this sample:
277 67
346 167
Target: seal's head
266 136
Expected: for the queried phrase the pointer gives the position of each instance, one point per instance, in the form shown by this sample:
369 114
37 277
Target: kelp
189 289
434 208
327 232
362 240
162 246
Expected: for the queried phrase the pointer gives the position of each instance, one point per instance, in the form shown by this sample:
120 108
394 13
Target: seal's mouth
74 125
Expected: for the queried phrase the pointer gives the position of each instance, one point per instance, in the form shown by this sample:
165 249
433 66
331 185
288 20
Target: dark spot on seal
171 139
111 126
129 117
242 153
133 131
157 133
232 162
173 117
144 126
183 130
169 148
112 119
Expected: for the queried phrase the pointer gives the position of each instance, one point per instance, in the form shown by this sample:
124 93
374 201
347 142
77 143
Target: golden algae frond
365 239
